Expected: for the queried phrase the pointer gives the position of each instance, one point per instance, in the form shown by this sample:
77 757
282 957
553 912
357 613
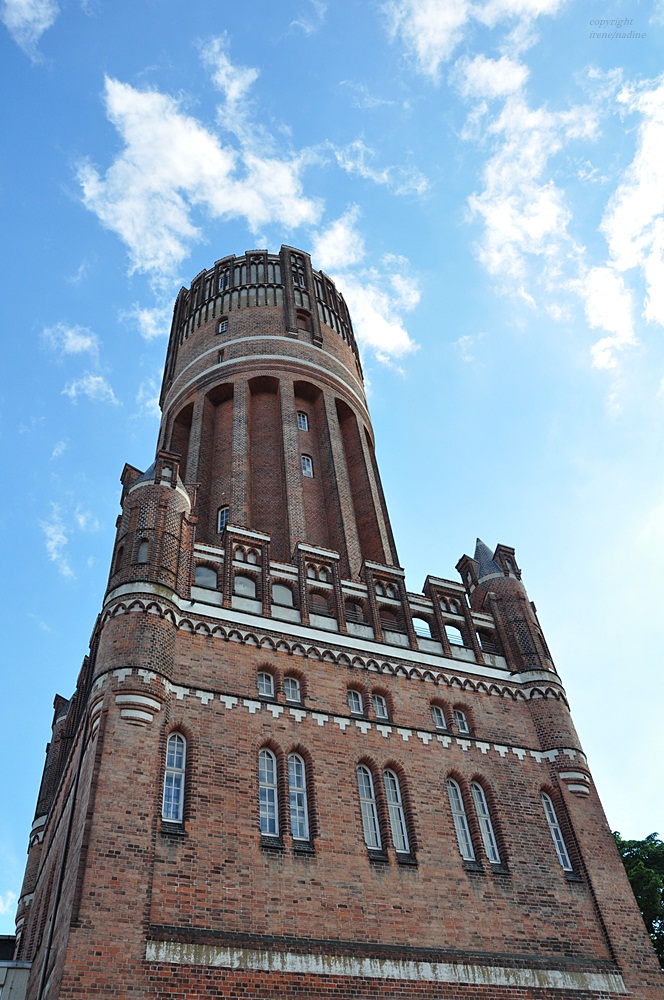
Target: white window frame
464 841
265 684
370 826
354 696
461 720
297 788
556 833
223 517
308 466
292 689
172 806
486 826
268 794
379 702
438 716
396 812
302 420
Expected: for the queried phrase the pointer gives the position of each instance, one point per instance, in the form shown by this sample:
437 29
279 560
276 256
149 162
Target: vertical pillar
352 556
240 480
292 467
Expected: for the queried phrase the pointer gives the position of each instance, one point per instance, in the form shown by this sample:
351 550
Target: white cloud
363 98
357 157
7 902
310 19
633 223
27 20
172 166
85 520
95 387
467 344
147 398
608 306
59 449
57 539
234 81
490 78
152 323
340 245
431 29
72 340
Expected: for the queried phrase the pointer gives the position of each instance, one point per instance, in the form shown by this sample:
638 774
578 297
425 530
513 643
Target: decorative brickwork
216 817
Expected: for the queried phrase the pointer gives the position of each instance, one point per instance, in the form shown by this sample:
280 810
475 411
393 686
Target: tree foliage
644 864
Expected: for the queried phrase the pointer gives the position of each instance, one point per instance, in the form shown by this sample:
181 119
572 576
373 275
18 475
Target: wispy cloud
173 168
147 398
59 449
27 20
363 98
467 346
64 339
311 18
489 78
94 387
57 539
152 322
85 519
357 158
7 902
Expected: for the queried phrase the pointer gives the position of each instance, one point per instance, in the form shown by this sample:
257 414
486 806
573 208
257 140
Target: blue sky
484 181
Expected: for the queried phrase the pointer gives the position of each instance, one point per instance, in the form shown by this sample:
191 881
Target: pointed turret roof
487 568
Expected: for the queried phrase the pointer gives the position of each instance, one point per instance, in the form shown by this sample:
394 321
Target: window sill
378 857
573 877
304 847
499 869
473 868
271 843
409 860
170 829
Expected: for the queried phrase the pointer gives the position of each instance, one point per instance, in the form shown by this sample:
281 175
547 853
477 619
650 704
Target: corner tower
282 773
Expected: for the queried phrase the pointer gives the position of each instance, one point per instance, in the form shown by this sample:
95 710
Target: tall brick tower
281 774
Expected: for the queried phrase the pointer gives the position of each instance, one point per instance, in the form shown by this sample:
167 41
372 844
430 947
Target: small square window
355 702
223 326
379 706
292 689
438 717
265 684
461 721
307 467
302 420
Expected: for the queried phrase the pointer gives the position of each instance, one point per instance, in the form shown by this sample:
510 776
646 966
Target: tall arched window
486 826
368 807
267 793
556 833
223 517
460 820
396 813
297 786
173 799
143 550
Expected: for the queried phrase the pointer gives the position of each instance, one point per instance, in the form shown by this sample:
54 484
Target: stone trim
263 960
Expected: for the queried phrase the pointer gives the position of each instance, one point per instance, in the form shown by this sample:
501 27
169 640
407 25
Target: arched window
486 826
252 557
379 703
223 517
323 574
396 813
118 559
318 605
556 833
422 627
461 721
206 577
460 820
245 586
302 420
282 595
368 808
265 682
173 799
297 786
267 793
355 703
454 635
143 550
307 466
438 716
292 690
355 612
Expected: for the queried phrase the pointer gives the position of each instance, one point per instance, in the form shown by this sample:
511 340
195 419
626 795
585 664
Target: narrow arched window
460 820
173 799
461 721
355 702
396 813
302 420
379 703
292 690
223 517
422 628
368 808
297 786
267 793
486 826
265 684
118 559
307 466
438 716
143 549
556 833
454 635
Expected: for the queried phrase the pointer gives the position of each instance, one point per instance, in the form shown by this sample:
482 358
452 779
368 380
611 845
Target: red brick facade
442 837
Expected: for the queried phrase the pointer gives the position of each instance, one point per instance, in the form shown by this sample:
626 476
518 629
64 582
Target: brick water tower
281 773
